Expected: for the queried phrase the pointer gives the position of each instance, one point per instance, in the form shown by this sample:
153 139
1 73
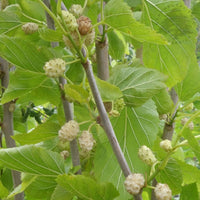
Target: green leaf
8 22
193 142
26 181
190 173
175 22
134 127
108 91
50 35
22 53
190 85
172 176
189 192
76 73
117 45
196 10
30 86
45 131
119 16
76 93
61 194
163 101
42 188
86 188
33 160
32 9
3 191
138 84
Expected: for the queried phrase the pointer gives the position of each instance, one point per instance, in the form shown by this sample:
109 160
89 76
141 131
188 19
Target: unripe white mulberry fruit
134 183
90 37
76 10
75 37
55 68
146 155
84 25
69 20
163 192
114 113
86 141
64 154
190 125
69 131
163 117
30 28
119 104
166 145
184 120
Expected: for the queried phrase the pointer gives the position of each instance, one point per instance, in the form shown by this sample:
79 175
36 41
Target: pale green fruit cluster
166 145
30 28
76 10
86 141
134 183
55 68
70 20
64 154
163 192
69 131
146 155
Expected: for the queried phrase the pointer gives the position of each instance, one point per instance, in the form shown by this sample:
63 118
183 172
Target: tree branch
7 126
102 53
66 105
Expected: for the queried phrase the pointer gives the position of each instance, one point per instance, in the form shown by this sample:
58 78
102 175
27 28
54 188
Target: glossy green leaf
86 188
172 176
119 16
51 35
61 193
108 91
189 192
33 160
138 84
76 93
163 101
133 128
30 86
192 141
190 85
175 22
117 45
45 131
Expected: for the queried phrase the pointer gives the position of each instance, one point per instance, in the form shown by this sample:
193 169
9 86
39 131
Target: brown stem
66 105
7 125
102 54
187 3
139 54
105 120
